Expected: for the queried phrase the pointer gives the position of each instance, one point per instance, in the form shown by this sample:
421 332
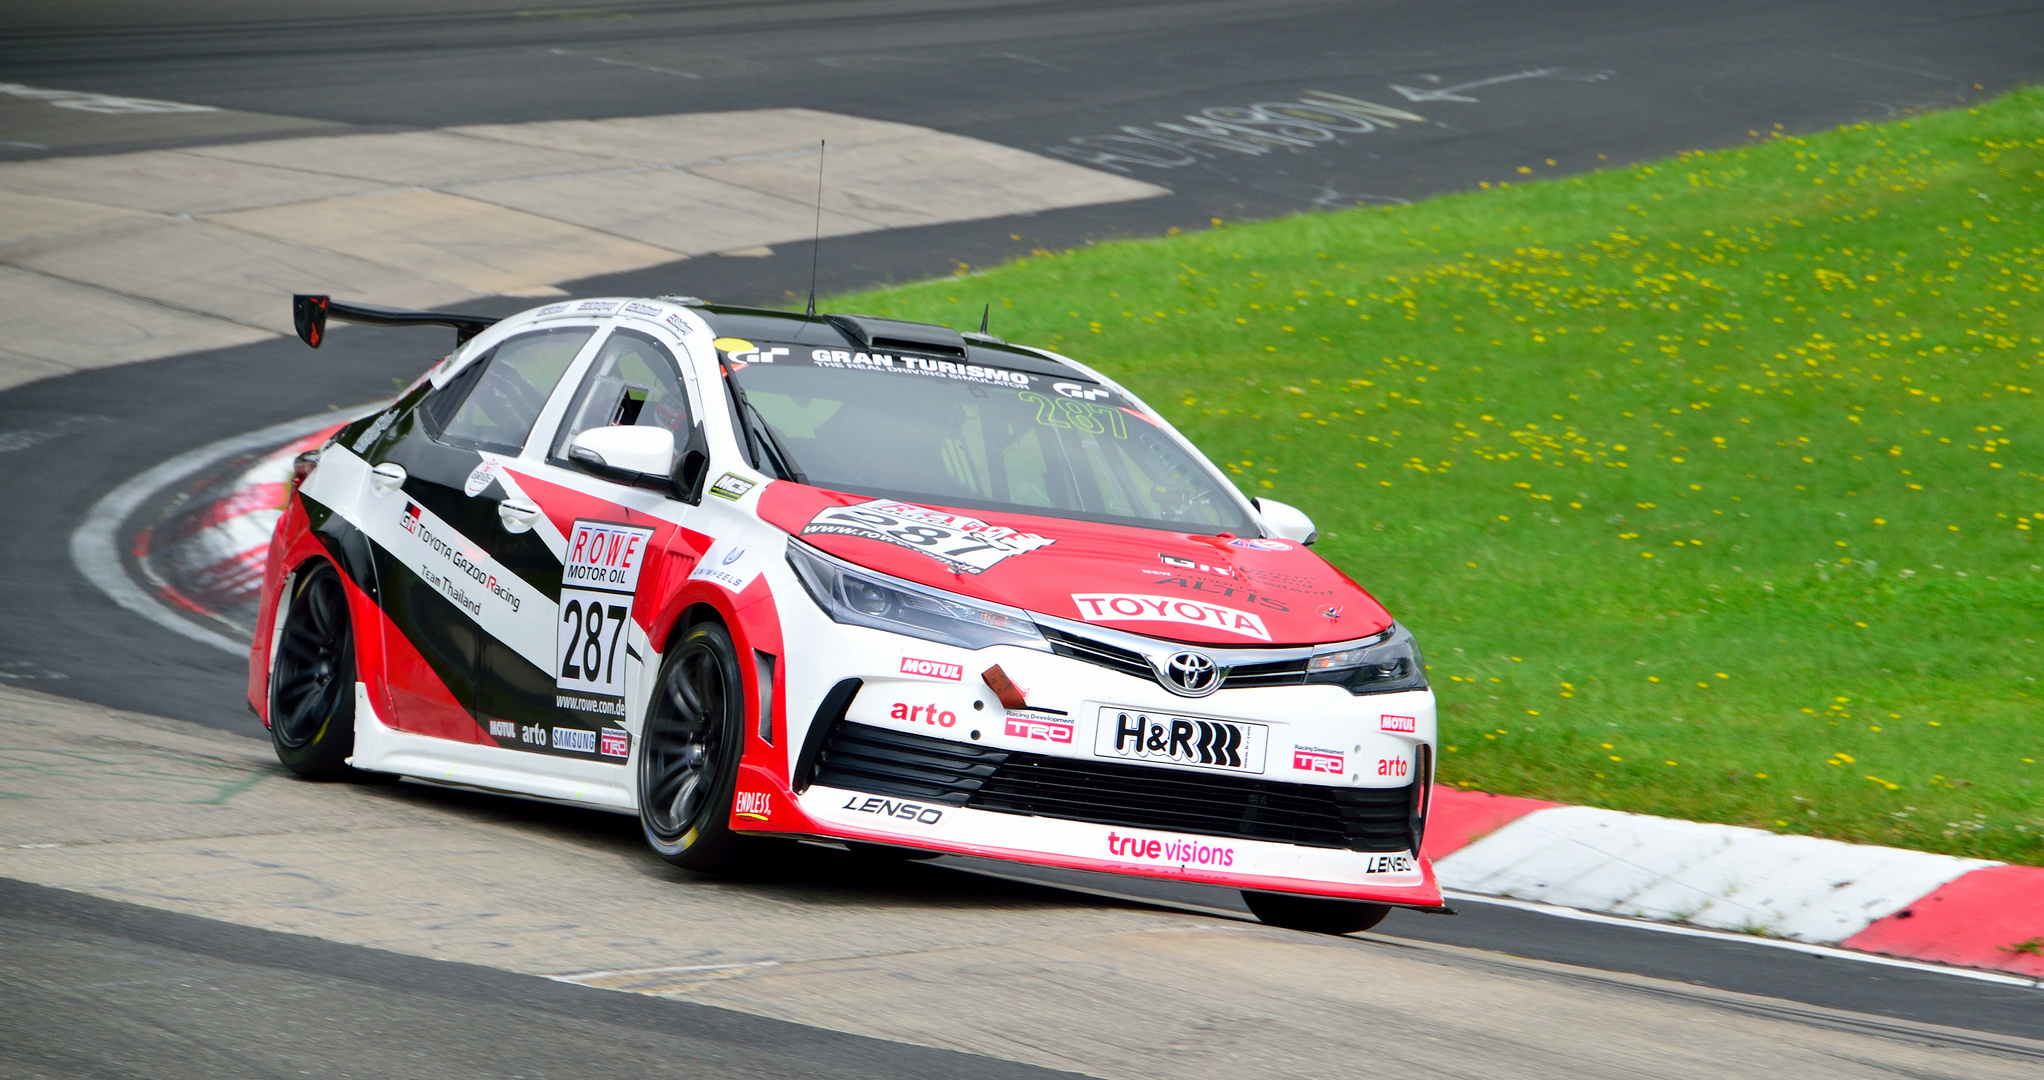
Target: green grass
1711 487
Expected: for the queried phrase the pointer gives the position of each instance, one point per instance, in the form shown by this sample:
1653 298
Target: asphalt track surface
1615 83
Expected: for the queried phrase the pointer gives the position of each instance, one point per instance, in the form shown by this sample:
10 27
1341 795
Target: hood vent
872 333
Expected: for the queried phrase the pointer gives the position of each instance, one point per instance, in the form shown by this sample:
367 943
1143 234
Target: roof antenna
817 242
983 313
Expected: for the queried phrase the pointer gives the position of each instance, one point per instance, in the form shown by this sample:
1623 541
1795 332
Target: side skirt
379 748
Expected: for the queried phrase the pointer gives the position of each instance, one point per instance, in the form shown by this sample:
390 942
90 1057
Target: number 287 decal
966 544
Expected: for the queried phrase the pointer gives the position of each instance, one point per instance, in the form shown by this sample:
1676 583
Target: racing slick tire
312 679
688 756
1314 914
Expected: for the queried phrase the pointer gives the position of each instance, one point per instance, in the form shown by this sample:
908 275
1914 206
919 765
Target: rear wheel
688 755
1314 914
312 679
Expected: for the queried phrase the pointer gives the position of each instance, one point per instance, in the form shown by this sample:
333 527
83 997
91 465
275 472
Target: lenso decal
1139 607
965 544
599 578
732 486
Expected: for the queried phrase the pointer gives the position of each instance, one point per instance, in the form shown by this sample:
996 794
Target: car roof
845 332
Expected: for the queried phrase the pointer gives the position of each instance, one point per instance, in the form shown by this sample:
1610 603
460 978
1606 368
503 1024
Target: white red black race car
754 575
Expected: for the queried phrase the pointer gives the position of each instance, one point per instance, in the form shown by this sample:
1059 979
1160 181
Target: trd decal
1054 729
1313 760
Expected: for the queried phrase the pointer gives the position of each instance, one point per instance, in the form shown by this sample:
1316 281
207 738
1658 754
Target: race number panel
599 578
965 544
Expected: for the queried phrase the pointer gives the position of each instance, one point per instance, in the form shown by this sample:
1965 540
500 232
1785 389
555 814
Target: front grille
1126 661
1279 673
862 758
857 757
1287 672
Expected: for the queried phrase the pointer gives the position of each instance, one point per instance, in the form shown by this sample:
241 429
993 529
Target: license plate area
1198 742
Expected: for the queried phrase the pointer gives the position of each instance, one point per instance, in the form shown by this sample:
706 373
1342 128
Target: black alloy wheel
688 755
312 679
1314 914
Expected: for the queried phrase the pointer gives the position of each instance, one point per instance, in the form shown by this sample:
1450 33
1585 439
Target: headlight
1390 663
861 597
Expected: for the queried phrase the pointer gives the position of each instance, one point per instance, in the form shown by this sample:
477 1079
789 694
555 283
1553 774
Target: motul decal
931 669
1138 607
1403 724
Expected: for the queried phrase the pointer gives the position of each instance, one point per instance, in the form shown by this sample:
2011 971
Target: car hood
1213 590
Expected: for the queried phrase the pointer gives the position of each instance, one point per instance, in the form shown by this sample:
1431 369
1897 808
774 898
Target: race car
757 576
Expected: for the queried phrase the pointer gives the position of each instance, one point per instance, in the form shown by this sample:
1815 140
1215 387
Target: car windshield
933 430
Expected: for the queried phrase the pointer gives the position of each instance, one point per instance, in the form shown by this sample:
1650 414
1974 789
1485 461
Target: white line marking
580 979
1745 939
95 545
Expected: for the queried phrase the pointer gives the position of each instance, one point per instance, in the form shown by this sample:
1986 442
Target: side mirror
693 467
645 450
1288 522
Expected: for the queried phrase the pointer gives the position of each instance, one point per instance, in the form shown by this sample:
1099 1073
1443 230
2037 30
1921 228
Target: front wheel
312 679
688 755
1314 914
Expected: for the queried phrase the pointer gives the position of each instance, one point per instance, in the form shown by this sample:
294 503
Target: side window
634 381
492 403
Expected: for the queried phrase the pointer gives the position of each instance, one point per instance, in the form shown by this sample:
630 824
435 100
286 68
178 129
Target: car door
452 592
619 544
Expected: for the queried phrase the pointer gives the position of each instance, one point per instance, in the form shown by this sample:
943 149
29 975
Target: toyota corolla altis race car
758 576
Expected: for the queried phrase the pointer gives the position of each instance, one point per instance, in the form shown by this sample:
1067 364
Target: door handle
386 478
517 515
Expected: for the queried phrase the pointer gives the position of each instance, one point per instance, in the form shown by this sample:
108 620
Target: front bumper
1046 784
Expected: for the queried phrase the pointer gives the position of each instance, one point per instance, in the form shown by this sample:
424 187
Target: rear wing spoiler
310 314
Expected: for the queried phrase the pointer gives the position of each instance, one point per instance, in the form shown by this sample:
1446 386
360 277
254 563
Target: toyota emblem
1192 674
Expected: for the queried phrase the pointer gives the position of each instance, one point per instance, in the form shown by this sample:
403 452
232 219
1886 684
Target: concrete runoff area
212 239
197 822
